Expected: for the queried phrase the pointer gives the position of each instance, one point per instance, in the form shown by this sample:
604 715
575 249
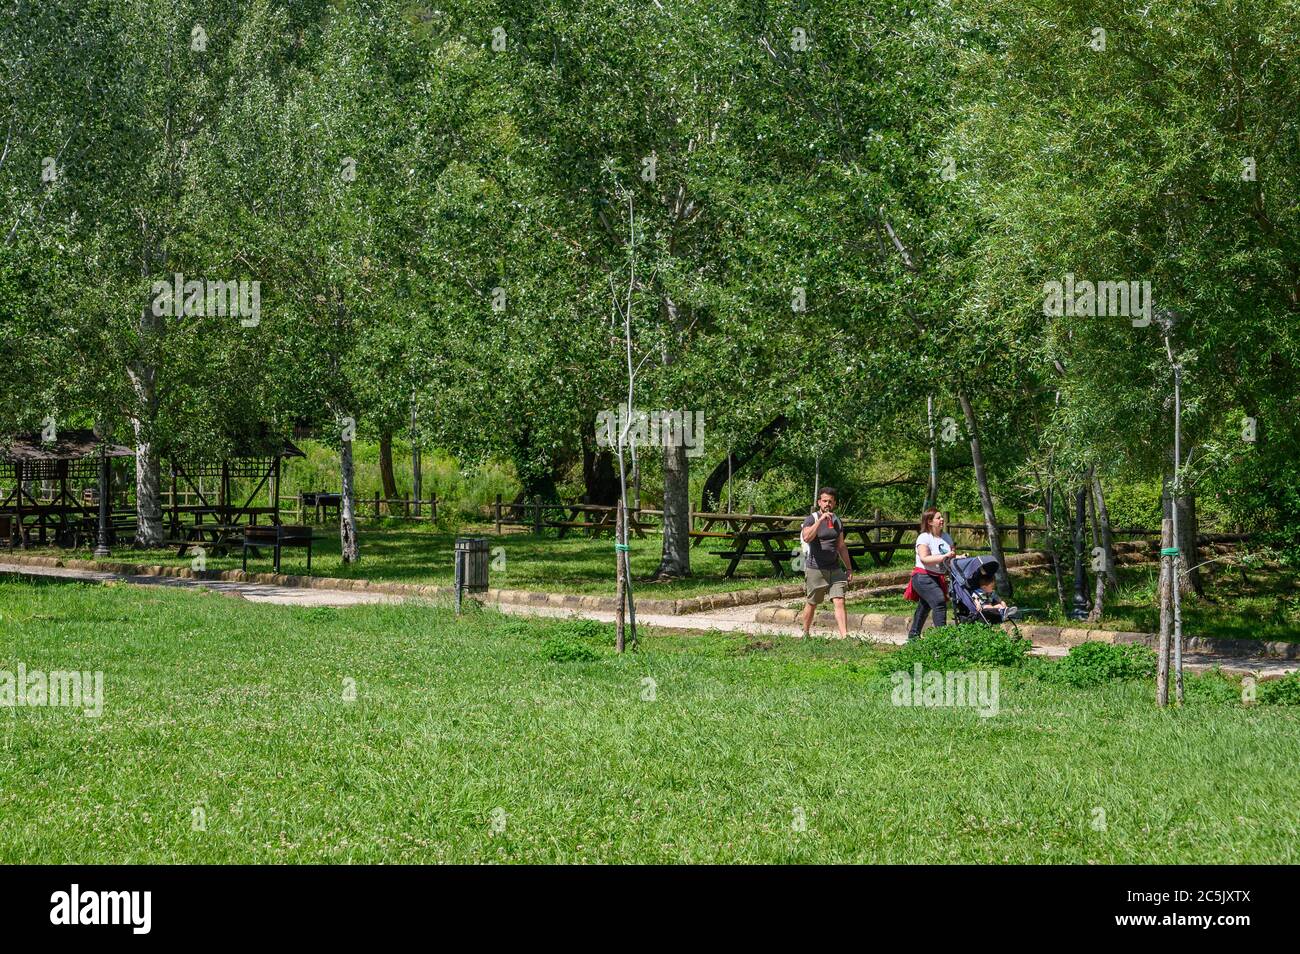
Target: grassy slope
238 707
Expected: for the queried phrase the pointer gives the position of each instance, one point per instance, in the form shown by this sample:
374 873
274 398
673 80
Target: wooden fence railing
599 518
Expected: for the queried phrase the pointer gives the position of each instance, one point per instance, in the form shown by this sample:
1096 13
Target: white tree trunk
347 507
149 530
148 494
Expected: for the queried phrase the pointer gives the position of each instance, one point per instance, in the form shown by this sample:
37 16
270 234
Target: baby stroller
962 577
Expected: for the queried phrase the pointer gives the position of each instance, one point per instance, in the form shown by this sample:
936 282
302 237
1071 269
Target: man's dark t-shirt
821 551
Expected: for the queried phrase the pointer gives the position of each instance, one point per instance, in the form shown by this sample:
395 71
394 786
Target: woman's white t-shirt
941 544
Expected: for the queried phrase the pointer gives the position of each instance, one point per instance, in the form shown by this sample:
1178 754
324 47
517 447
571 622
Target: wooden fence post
408 506
433 508
498 514
1021 542
876 518
301 515
537 515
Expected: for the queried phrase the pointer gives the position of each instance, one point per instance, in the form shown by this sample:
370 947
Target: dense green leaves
823 214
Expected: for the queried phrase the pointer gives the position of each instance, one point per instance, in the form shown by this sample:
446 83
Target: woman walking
927 585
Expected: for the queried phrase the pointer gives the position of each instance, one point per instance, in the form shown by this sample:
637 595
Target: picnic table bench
220 535
322 501
216 537
278 536
738 522
605 519
771 546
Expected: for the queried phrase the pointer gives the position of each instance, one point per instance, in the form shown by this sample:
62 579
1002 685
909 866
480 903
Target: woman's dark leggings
927 587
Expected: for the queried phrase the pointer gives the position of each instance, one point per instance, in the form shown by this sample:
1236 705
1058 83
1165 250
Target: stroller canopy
968 568
962 575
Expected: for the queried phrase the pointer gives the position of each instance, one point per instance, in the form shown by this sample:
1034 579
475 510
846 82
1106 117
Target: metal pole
817 478
729 491
459 576
1173 510
105 489
1080 608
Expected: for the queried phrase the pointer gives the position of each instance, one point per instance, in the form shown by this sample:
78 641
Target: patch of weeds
962 645
563 649
1212 686
1093 664
1280 692
577 640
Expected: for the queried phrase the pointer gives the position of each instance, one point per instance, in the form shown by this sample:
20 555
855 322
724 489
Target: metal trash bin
471 566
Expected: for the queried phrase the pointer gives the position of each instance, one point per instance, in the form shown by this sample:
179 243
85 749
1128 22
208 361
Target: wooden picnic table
223 534
606 519
738 522
777 556
65 522
770 540
323 501
881 550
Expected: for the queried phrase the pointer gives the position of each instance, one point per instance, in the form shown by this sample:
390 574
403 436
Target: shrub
583 629
966 644
576 640
1212 687
562 649
1092 664
1280 692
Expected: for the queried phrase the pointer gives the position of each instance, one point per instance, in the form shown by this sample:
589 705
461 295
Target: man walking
824 535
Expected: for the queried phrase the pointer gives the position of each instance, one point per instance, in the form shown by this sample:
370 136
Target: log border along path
727 619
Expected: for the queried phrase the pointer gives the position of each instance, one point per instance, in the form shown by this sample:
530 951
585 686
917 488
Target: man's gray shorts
821 582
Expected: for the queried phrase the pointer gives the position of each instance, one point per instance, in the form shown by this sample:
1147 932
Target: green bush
561 649
1212 687
583 629
1092 664
1280 692
577 640
966 644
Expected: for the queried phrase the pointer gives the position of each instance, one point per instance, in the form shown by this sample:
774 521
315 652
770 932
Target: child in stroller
972 580
992 607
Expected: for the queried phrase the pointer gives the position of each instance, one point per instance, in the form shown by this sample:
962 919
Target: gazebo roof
69 445
256 442
263 445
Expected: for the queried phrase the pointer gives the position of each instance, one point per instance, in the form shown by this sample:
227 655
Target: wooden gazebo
73 456
221 517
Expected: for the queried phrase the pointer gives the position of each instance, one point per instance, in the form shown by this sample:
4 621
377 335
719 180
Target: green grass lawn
239 709
1266 605
413 554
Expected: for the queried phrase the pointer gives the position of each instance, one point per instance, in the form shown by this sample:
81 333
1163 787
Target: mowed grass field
466 742
396 553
